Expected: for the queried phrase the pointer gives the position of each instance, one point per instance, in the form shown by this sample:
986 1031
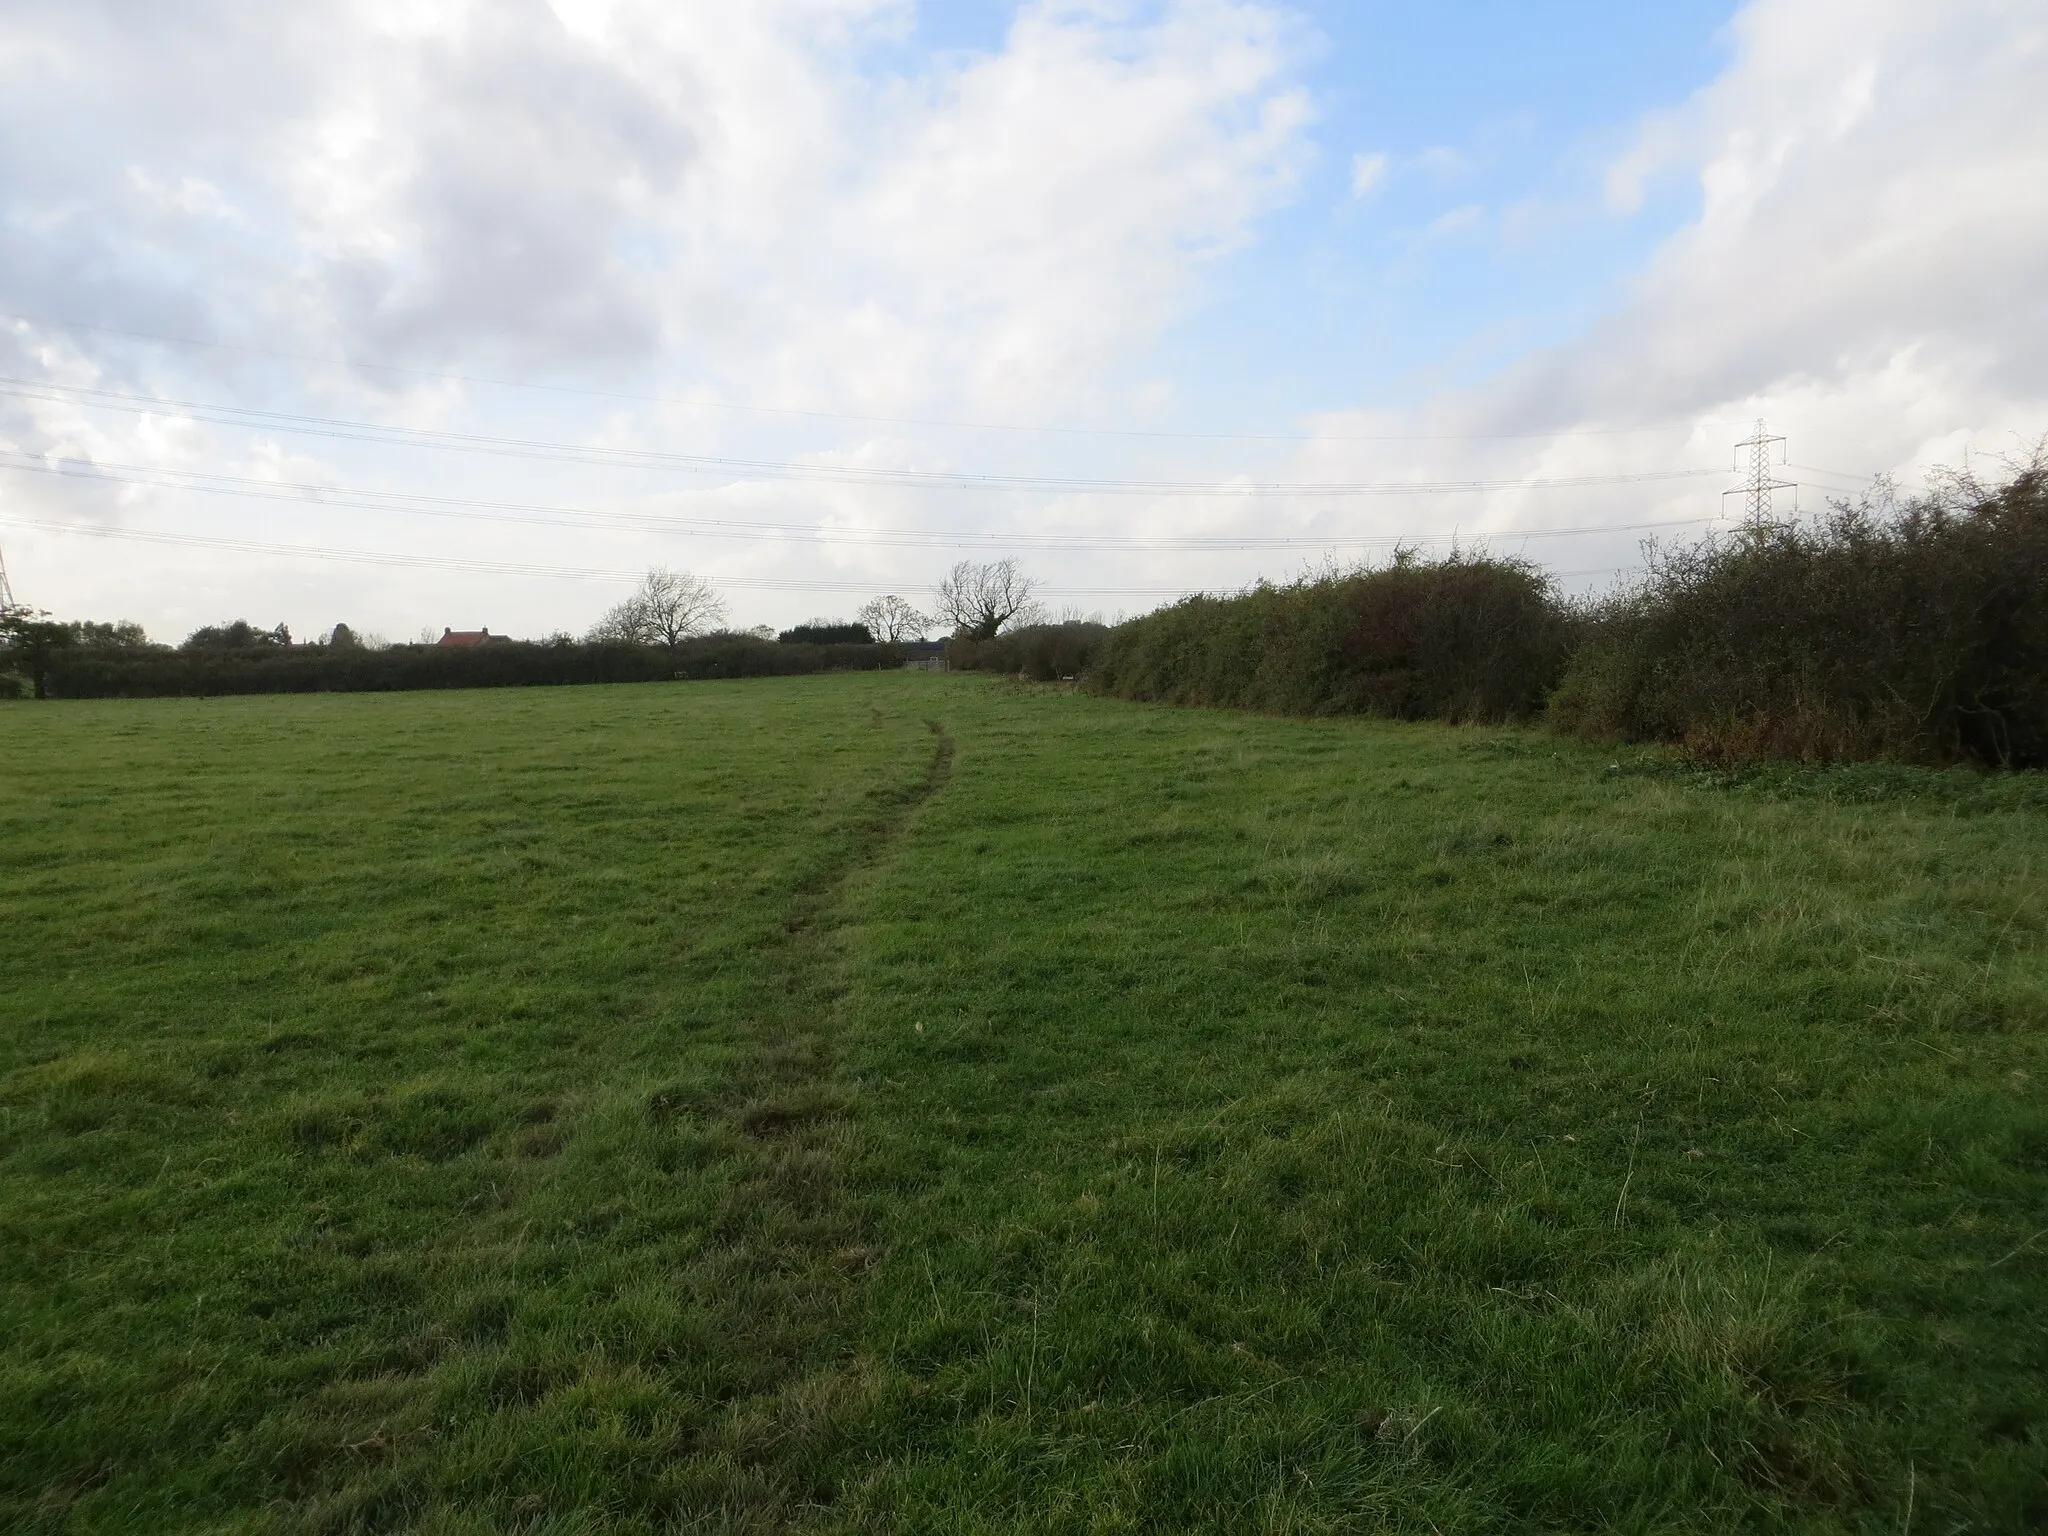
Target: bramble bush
1887 629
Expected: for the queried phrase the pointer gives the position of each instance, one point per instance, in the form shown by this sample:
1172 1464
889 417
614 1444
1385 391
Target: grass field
910 1102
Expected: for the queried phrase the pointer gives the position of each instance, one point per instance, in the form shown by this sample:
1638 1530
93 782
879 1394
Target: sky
415 314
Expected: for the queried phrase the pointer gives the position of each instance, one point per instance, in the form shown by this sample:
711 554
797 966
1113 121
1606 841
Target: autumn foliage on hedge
1915 630
1462 637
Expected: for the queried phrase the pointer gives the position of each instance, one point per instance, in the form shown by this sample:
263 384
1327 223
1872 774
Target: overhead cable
554 572
897 421
473 509
1839 474
497 567
954 480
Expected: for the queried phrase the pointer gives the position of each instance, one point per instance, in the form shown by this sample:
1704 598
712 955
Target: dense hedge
1466 637
99 673
1917 631
1045 653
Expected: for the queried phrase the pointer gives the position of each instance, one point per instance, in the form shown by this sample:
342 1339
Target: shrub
1915 630
1045 653
1464 637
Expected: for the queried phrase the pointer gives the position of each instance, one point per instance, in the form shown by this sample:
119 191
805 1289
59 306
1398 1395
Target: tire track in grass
799 1245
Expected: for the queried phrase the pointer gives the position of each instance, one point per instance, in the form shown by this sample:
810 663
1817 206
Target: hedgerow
95 673
1463 637
1914 630
1045 653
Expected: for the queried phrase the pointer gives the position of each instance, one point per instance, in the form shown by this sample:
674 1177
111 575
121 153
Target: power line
732 528
6 588
630 458
402 560
899 421
1838 474
496 567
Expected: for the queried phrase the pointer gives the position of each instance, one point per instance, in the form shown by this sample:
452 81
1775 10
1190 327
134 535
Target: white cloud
1870 178
721 191
1462 220
1864 269
1443 162
725 201
1367 172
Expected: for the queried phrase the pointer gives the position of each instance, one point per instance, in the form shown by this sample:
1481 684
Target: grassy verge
744 1106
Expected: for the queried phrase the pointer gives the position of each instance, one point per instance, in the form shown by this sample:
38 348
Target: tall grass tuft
1912 629
1464 637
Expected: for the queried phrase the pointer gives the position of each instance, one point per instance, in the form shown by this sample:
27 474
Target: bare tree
623 624
978 600
890 620
679 605
669 608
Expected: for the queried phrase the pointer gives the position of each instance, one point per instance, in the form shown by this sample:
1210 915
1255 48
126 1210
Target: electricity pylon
1759 491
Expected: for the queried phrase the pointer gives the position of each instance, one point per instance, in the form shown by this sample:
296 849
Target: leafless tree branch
978 600
669 608
891 619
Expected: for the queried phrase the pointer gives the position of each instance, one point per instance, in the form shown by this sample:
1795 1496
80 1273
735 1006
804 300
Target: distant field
911 1102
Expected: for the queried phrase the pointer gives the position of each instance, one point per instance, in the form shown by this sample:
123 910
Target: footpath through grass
744 1106
413 1112
1344 1125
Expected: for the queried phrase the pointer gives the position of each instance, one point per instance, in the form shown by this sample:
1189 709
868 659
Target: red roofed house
465 638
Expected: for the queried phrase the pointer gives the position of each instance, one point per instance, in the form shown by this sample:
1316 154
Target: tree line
974 600
672 625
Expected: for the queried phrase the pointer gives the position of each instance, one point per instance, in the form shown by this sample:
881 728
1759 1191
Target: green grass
913 1102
